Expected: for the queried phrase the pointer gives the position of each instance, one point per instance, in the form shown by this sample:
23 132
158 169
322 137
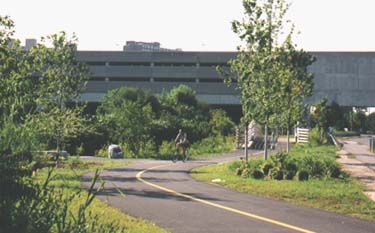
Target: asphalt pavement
163 192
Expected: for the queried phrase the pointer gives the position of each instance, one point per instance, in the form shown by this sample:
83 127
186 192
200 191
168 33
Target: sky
192 25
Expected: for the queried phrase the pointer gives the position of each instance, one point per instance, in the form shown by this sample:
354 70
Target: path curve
163 192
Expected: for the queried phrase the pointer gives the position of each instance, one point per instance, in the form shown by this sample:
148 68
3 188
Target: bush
305 161
48 209
257 174
303 175
212 145
166 150
246 173
276 174
289 175
234 165
256 164
317 137
103 153
333 170
241 168
267 166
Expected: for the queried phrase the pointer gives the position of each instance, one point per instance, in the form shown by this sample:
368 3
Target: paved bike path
168 196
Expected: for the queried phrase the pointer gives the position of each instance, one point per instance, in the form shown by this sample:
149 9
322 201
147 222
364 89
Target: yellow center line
139 178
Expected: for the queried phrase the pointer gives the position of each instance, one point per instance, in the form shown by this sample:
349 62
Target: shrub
303 175
256 164
334 170
289 175
79 151
267 166
241 168
257 174
246 173
234 165
317 137
276 174
239 171
212 145
166 150
103 153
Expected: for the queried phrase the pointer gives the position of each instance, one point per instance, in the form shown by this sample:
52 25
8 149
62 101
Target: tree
62 76
61 80
220 123
295 83
18 84
129 116
256 65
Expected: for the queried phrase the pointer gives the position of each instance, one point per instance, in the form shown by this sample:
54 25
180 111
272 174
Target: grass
207 147
351 156
211 147
344 196
67 178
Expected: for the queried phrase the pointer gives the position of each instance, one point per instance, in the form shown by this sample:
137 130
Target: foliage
343 195
103 152
295 83
60 125
45 209
140 122
272 78
129 120
68 181
211 145
167 150
16 75
181 110
317 137
31 108
220 123
317 162
62 76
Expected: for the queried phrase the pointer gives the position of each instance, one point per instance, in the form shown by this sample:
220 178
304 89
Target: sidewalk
359 162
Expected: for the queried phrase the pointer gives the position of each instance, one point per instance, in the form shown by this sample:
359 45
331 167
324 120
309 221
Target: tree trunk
287 141
246 142
265 141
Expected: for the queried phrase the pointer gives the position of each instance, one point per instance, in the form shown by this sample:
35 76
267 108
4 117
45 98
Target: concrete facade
345 77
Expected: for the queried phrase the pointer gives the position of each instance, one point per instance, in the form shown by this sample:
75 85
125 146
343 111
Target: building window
174 80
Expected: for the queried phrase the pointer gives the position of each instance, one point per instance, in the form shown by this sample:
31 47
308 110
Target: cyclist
181 142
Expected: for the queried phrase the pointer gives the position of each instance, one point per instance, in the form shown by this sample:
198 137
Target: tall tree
256 66
61 80
17 82
295 83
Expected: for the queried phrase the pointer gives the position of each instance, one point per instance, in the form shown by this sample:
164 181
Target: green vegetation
35 115
270 72
66 179
342 195
145 125
304 162
345 121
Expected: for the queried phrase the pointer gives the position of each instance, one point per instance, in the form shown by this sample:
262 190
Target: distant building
348 78
29 43
139 46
